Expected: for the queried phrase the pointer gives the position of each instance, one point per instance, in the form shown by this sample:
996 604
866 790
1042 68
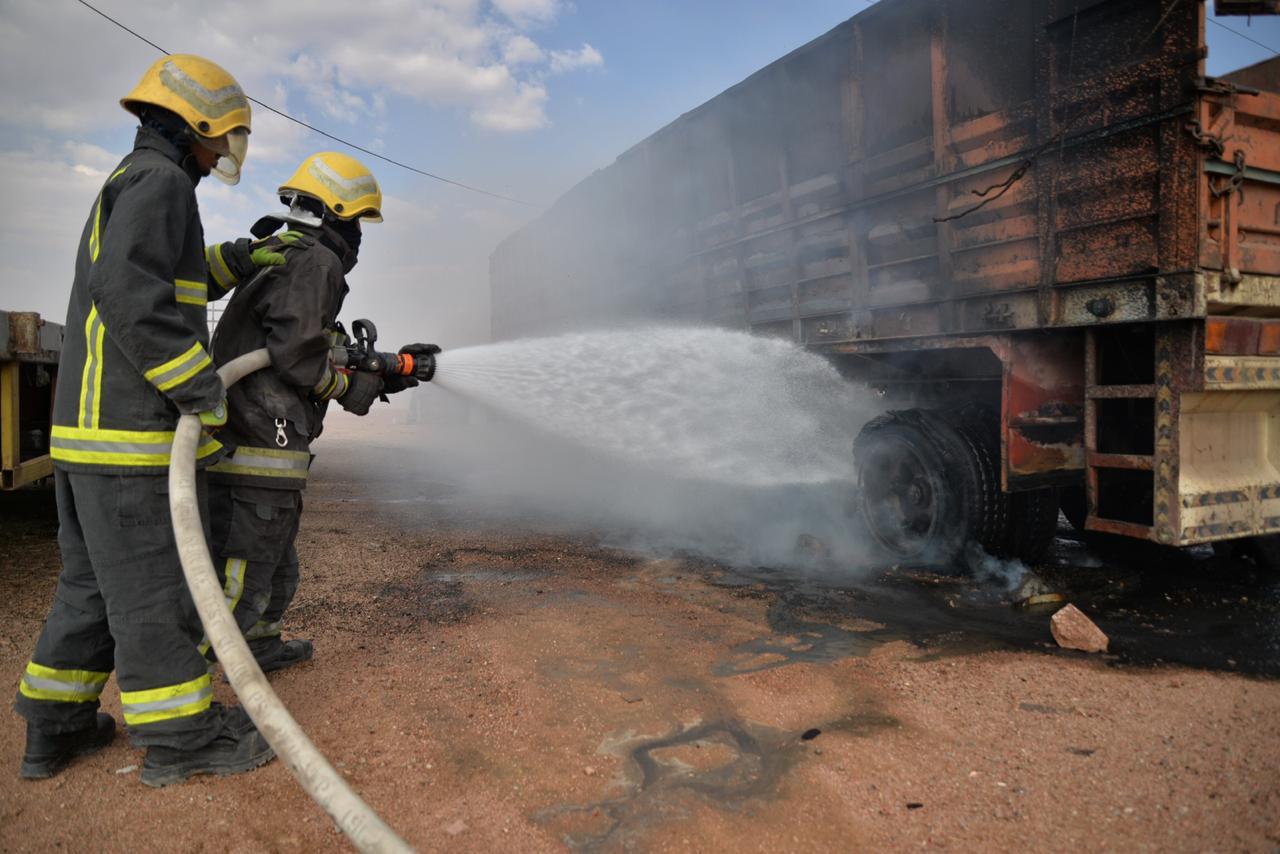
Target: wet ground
1156 606
487 682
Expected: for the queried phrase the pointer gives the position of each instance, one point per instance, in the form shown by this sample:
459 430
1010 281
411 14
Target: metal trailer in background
1039 226
29 352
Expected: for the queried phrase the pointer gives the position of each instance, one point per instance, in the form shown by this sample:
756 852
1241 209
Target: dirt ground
489 686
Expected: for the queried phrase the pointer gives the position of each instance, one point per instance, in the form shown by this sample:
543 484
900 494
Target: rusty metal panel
1042 433
921 169
1240 186
25 336
1261 75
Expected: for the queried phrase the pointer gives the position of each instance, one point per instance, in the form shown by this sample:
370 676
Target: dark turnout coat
136 348
275 413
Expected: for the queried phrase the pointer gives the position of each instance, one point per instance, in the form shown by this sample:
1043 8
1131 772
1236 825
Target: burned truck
1038 228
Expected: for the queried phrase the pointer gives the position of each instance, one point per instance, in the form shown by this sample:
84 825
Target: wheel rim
902 497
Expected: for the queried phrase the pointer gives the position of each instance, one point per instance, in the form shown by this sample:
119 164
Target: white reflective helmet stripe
212 103
347 189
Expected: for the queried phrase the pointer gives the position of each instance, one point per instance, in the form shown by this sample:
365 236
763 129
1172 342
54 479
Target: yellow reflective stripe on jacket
91 381
62 686
218 266
95 238
179 369
192 293
119 447
234 586
264 462
167 703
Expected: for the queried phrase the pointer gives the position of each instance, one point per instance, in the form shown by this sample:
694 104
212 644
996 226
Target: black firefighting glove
416 350
363 389
397 383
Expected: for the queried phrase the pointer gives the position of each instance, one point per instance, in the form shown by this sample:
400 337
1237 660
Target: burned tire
918 486
1020 524
930 482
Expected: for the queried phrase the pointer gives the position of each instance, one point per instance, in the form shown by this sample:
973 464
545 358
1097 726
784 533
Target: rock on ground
1073 630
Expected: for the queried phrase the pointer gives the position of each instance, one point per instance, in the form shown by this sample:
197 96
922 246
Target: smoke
1008 576
663 439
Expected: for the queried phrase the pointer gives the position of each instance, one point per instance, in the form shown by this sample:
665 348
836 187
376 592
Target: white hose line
326 787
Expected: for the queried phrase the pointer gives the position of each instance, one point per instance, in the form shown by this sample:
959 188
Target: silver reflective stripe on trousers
169 703
68 687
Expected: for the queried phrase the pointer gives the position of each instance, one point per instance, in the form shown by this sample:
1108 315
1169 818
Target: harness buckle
281 439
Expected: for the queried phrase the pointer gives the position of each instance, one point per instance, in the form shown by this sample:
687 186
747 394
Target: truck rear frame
1046 207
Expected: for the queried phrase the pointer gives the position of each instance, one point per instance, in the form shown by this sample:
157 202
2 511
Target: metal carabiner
281 439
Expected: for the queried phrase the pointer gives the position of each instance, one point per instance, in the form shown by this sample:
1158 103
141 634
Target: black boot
46 755
239 747
283 655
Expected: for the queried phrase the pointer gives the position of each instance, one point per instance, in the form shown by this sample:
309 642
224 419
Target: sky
521 97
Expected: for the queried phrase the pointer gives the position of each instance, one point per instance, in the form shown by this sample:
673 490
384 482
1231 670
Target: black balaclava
342 236
349 231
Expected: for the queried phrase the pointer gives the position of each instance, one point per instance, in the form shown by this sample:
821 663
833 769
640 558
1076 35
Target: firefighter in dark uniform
255 492
135 356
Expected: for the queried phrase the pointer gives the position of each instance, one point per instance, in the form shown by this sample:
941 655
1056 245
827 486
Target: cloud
522 50
339 61
524 109
423 274
526 13
569 60
50 196
348 68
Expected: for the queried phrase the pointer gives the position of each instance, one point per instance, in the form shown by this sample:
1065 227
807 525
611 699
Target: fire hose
318 778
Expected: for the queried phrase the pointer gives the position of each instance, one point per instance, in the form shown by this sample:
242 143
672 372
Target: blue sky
524 97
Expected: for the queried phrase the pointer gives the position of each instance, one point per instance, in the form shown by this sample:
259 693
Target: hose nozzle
420 366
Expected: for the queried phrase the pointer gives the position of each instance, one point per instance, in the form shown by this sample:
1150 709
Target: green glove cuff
266 257
216 417
269 252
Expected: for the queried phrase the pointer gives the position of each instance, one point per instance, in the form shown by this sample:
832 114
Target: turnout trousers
254 529
121 603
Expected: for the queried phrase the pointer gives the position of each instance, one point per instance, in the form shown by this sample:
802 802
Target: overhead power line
1243 36
324 133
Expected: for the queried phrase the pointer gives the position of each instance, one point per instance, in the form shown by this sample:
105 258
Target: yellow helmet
339 182
207 98
202 92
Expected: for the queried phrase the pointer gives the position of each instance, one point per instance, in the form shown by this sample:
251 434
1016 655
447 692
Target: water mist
689 439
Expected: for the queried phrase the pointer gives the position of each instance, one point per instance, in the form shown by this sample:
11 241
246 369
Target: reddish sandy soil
492 689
